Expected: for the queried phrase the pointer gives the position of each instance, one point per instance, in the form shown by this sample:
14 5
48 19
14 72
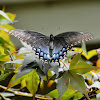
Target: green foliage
3 76
71 92
53 94
32 82
64 81
5 18
74 61
5 44
84 48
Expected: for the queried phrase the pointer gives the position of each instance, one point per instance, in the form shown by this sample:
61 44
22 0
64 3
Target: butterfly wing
61 43
64 41
37 40
58 45
72 38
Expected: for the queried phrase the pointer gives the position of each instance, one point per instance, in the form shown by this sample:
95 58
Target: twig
25 93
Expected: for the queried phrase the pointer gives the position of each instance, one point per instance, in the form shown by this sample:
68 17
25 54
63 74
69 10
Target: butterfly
51 48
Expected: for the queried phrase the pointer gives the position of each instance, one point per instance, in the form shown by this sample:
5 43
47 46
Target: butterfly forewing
75 37
26 36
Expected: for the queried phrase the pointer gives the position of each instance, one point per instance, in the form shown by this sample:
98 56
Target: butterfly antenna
42 28
58 28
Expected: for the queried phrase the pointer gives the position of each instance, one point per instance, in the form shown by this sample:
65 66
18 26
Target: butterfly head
51 38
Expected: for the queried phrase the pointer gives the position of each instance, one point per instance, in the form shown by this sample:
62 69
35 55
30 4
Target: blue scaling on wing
45 56
38 50
60 53
48 56
54 56
57 56
41 54
59 44
64 49
42 45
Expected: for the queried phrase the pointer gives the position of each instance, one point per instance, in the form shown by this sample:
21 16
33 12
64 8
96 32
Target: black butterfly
53 47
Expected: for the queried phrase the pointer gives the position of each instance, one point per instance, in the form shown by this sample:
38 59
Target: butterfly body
51 48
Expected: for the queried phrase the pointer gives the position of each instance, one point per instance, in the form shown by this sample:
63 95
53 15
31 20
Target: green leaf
82 68
1 68
68 94
4 15
55 68
89 54
41 74
4 21
71 92
75 60
62 84
53 94
29 58
42 65
78 95
11 81
24 71
19 61
3 76
3 29
32 82
49 74
20 76
71 53
77 82
11 16
84 47
2 41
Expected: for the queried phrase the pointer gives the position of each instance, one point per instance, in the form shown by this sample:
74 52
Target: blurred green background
56 16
